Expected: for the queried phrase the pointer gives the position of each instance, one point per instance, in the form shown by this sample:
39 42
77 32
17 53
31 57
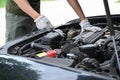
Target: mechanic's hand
43 23
86 26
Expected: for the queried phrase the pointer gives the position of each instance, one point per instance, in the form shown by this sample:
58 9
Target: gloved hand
86 26
43 23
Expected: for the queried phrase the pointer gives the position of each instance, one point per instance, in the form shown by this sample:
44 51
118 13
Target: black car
64 54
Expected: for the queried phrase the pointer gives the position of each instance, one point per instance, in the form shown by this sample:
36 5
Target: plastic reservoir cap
51 53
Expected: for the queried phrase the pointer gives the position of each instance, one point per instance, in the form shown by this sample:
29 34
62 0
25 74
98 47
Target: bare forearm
26 7
77 8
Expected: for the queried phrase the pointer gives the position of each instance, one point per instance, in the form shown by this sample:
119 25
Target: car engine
91 51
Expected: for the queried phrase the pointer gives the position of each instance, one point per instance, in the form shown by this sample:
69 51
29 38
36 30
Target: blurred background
59 12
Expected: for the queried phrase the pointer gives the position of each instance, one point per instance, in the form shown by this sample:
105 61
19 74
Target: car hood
15 67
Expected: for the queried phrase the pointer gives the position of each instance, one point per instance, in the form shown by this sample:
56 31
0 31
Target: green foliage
118 1
2 3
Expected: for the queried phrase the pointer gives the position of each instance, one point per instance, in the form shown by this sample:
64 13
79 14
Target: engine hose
39 46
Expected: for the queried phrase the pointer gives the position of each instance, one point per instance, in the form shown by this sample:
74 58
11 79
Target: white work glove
43 23
86 26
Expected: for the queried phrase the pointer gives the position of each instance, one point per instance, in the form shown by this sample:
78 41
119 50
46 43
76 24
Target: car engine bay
91 51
